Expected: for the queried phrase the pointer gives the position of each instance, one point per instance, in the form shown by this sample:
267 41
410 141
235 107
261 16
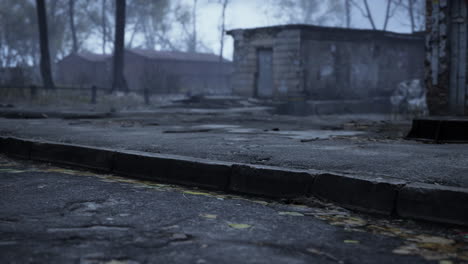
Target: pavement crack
98 228
9 220
311 251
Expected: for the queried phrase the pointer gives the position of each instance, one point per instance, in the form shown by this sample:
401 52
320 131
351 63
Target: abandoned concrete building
84 70
177 72
358 68
17 76
447 57
158 71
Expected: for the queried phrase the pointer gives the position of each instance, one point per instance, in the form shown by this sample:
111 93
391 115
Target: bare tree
312 12
411 14
348 13
104 26
369 14
366 12
224 4
192 45
119 82
46 71
392 6
150 22
71 14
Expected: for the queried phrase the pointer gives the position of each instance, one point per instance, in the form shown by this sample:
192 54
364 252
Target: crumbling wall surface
78 72
437 56
287 68
172 76
287 64
245 63
359 65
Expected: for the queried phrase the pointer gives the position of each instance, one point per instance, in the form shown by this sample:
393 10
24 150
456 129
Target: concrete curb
172 169
270 181
72 155
31 114
365 194
434 203
385 196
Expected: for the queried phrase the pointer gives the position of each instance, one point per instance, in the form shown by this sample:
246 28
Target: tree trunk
46 71
193 40
369 15
411 14
387 14
223 28
119 82
104 26
71 14
348 13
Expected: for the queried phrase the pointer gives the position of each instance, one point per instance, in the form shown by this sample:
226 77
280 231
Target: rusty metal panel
265 73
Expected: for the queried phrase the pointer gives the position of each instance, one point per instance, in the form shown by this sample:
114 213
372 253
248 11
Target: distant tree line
65 26
339 13
39 33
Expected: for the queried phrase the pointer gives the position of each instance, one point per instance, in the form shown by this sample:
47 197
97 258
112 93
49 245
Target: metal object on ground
440 130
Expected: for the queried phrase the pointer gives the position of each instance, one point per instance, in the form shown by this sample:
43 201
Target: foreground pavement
55 215
367 146
360 162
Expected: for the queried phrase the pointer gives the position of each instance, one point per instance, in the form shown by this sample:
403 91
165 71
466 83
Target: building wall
343 65
446 54
327 64
159 76
170 76
16 76
76 71
287 72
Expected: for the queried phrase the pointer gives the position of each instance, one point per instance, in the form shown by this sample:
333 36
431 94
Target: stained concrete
370 146
55 215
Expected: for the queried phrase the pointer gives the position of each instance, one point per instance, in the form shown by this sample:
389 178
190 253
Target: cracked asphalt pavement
57 215
369 146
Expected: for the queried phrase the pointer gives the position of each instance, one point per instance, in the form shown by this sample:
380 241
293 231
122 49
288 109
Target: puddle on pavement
314 134
293 134
229 128
244 130
216 126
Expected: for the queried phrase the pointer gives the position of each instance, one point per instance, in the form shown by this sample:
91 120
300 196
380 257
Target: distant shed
84 69
177 72
158 71
322 63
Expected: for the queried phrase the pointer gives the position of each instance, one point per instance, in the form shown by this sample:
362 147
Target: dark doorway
264 73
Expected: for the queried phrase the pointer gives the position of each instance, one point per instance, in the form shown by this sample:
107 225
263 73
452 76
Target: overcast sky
258 13
252 13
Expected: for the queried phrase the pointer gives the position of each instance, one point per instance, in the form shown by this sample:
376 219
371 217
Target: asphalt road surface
56 215
318 143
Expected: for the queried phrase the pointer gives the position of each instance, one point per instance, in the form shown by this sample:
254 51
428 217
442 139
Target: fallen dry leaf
197 193
351 241
12 171
290 213
445 262
432 240
260 202
70 172
239 226
209 216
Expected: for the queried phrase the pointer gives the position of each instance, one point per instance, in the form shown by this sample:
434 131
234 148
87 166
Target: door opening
264 85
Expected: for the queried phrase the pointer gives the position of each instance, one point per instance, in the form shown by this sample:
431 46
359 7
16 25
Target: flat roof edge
415 35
